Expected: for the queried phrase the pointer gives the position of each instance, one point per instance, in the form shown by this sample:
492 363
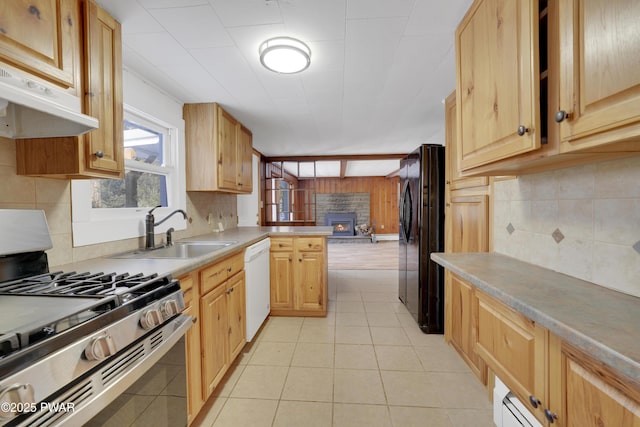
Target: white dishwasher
256 269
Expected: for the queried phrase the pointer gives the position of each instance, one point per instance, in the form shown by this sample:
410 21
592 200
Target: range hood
32 109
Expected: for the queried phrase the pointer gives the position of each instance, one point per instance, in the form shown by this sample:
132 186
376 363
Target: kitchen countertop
601 322
244 236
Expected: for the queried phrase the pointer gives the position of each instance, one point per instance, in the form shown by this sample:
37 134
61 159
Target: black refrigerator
421 281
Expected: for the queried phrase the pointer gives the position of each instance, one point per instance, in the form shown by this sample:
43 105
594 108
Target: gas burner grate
77 284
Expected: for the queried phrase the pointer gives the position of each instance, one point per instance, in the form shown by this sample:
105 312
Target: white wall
595 207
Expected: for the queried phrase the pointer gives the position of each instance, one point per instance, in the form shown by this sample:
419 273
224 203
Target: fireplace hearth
343 223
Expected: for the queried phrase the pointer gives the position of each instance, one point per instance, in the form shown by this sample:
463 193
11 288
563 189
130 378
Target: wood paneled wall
383 195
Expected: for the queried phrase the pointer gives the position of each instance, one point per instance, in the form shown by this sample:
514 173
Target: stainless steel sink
179 250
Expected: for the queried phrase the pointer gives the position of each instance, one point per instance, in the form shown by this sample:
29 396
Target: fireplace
344 224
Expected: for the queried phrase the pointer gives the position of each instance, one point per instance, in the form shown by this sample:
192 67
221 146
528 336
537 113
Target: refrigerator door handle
405 223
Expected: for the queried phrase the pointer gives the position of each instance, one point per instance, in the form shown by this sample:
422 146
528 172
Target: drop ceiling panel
443 18
134 18
161 4
359 9
314 20
193 27
240 13
158 48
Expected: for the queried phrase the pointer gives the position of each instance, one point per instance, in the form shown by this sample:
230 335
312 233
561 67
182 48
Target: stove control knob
169 308
150 319
100 348
16 399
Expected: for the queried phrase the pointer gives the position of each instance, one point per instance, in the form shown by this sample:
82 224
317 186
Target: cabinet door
463 319
245 159
585 392
237 314
599 78
469 223
103 75
214 333
309 282
498 87
189 286
41 37
454 179
281 279
514 347
227 151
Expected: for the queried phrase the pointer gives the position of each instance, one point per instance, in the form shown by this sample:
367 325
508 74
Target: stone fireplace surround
343 203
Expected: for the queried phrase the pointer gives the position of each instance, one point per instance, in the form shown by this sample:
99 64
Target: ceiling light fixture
285 55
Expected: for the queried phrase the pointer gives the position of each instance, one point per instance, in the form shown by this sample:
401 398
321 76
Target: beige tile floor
365 364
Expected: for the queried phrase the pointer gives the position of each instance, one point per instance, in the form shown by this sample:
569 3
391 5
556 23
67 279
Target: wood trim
335 157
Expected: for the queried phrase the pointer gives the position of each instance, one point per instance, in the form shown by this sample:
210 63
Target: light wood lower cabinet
298 276
215 297
460 319
557 383
514 348
190 288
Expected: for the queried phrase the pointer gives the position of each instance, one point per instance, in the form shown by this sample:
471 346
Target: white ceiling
379 68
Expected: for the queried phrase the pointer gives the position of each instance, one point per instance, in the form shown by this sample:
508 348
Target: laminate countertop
240 237
601 322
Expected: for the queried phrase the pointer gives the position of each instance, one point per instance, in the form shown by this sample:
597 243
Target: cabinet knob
290 259
310 245
194 320
534 401
522 130
550 416
561 115
99 154
299 259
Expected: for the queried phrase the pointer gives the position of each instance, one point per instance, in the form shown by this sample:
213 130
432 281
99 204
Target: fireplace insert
343 223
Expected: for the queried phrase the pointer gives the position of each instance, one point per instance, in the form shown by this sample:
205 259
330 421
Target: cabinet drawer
281 244
235 264
309 244
215 274
186 283
513 346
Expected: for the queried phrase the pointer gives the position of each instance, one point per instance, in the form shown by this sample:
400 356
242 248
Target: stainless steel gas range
76 347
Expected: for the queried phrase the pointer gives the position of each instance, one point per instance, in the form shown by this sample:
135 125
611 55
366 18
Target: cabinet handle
550 416
229 269
99 154
561 115
522 130
534 401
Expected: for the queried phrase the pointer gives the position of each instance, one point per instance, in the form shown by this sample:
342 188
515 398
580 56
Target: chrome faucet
150 224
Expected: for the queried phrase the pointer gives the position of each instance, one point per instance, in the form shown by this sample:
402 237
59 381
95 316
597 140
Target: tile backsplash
582 221
54 197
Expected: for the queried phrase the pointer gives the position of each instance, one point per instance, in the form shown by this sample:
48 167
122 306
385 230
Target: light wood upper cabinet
497 81
469 215
216 144
245 158
98 153
103 81
43 38
599 75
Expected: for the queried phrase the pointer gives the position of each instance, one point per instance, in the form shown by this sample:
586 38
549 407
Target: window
145 180
113 209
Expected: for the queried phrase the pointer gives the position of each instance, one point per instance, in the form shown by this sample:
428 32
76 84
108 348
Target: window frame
100 225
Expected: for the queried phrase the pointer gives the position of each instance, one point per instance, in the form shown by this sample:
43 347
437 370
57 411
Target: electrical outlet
220 227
